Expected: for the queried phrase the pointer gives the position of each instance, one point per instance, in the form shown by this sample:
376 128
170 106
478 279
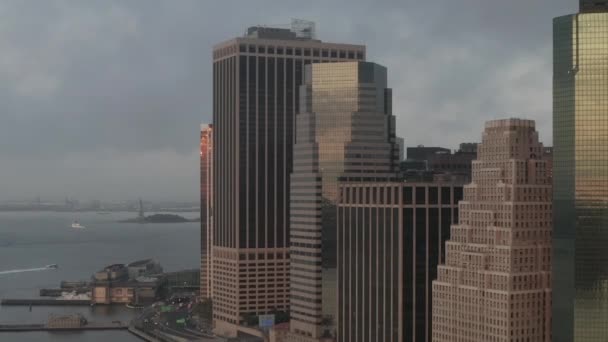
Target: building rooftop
113 267
593 6
298 30
140 263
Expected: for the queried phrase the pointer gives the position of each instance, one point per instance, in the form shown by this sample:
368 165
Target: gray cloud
104 98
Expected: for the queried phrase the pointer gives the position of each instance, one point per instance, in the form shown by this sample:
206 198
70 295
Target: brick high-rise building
495 284
206 174
255 96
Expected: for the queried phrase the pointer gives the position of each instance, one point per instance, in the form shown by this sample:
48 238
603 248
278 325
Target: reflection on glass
580 98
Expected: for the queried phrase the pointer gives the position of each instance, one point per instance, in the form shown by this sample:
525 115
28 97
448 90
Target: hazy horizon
104 99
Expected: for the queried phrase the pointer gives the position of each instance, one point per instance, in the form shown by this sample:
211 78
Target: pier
45 302
43 327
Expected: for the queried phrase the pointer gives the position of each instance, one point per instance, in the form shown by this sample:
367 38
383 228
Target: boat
53 266
77 225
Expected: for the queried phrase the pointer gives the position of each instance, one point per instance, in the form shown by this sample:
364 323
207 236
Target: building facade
495 284
580 174
345 131
458 162
390 241
255 96
589 6
206 182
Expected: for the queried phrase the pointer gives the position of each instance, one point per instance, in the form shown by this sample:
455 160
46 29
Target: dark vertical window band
271 153
408 272
433 260
420 274
243 150
406 240
262 167
253 162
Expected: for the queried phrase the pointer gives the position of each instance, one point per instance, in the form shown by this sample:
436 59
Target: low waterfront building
141 268
113 285
135 292
112 272
182 281
66 321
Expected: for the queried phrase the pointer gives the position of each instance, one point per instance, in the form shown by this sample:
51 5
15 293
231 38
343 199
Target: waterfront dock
43 327
44 302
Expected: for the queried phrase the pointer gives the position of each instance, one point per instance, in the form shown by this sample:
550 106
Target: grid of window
580 103
344 130
389 246
255 97
495 284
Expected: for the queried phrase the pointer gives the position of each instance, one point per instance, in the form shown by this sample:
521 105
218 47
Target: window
420 195
433 195
407 195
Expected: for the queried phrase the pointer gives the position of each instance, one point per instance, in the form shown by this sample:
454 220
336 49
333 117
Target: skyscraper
390 241
206 173
580 174
345 130
255 97
495 284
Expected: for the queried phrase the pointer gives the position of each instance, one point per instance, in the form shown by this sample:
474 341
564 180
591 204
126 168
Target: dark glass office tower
345 130
391 238
255 97
580 174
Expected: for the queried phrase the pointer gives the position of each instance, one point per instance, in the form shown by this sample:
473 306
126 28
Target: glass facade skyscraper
255 97
345 130
580 171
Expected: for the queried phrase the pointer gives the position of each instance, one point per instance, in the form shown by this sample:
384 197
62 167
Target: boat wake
26 270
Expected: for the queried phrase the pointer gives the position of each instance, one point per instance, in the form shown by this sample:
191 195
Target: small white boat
77 225
54 266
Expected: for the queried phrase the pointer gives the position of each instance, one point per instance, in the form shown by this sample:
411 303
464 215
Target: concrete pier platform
42 327
44 302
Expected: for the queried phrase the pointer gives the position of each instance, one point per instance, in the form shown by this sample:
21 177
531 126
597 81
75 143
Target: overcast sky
103 99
